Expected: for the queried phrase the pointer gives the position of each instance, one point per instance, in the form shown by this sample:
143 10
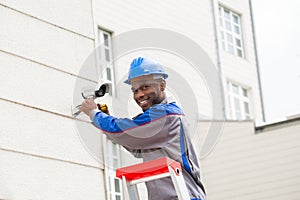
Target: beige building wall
254 163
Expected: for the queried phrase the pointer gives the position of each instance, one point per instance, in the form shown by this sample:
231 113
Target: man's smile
143 102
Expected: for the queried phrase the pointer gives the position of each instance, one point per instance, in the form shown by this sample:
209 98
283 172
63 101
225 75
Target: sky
277 28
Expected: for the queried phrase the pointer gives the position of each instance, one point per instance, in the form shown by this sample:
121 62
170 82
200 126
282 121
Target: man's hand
103 108
87 106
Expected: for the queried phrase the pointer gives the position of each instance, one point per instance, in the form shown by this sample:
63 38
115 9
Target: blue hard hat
144 66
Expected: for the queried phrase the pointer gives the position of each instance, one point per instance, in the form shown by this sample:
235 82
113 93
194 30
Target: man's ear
163 85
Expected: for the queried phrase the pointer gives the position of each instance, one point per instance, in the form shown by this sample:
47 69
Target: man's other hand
87 106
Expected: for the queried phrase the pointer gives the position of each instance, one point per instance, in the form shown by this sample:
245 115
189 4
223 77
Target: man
160 131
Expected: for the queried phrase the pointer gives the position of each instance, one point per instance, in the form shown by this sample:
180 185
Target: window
114 162
239 102
106 57
112 150
231 35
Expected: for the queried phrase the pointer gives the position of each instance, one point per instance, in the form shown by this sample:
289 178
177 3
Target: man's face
147 91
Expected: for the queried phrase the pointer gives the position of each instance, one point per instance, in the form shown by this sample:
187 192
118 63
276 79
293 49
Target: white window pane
107 55
239 53
230 49
238 42
228 25
245 92
105 39
235 89
114 146
117 185
237 105
237 30
227 14
235 19
115 163
246 107
108 73
237 108
238 115
229 38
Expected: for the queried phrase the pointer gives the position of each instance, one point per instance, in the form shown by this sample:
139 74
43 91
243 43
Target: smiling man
147 91
160 131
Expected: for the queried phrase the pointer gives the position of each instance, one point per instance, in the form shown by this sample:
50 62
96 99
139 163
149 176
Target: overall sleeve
149 130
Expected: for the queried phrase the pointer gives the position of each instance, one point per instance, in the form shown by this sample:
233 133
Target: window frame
236 95
106 61
232 41
113 162
106 68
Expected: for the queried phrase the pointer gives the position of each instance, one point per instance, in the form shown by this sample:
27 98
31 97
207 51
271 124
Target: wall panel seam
45 65
48 158
41 109
47 22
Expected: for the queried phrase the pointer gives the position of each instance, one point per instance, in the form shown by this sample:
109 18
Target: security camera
99 91
92 93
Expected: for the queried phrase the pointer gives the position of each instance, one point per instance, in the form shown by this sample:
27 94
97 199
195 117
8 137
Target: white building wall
242 71
190 18
36 40
193 19
26 176
71 15
39 132
42 48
